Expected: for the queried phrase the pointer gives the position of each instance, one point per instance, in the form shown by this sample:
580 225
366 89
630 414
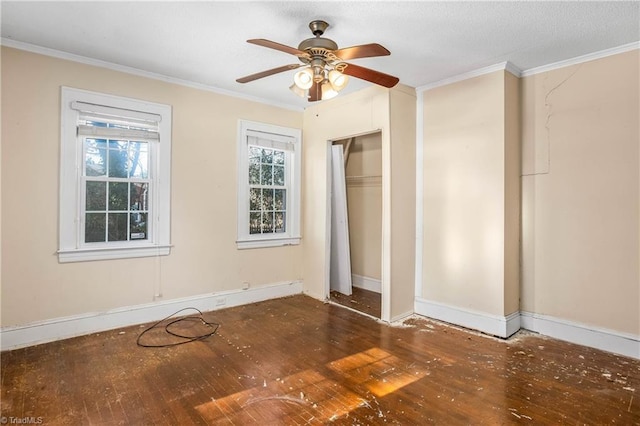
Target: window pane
267 156
139 160
94 227
138 226
267 174
267 222
255 198
278 175
254 223
278 157
118 145
118 159
118 226
267 199
95 157
138 194
96 196
279 224
254 155
118 195
254 174
280 199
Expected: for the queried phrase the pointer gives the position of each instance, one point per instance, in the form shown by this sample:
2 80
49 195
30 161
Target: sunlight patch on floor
313 397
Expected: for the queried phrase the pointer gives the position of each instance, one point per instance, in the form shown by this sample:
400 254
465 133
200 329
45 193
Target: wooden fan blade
315 92
277 46
268 73
362 51
373 76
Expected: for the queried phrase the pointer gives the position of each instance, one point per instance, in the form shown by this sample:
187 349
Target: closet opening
356 223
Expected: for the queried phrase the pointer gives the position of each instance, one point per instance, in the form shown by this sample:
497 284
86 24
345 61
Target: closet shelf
364 180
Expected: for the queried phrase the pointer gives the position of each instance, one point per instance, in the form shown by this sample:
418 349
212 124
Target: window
268 185
114 177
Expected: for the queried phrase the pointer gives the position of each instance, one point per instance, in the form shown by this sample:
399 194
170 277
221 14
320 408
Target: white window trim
70 248
292 235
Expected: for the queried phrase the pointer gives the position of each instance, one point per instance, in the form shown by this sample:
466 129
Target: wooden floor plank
362 300
300 361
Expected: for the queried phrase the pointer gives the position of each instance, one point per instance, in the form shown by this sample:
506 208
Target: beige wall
204 258
465 243
580 193
403 200
512 193
364 201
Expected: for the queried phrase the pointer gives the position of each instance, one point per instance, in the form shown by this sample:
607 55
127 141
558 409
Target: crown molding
138 72
580 59
502 66
509 67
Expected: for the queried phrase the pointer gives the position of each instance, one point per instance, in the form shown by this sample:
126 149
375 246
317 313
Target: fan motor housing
318 42
318 48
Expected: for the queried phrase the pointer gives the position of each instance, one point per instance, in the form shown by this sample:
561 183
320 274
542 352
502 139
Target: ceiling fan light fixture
328 91
338 80
304 78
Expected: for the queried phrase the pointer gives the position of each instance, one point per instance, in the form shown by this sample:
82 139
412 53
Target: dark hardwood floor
361 300
300 361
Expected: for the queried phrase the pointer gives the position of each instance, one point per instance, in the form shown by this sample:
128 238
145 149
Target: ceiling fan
325 72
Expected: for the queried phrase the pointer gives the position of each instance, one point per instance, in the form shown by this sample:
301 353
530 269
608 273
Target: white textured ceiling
205 42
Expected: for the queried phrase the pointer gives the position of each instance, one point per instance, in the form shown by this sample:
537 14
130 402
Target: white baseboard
487 323
366 283
557 328
77 325
604 339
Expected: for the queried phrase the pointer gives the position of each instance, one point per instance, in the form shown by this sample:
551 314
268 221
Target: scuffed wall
580 193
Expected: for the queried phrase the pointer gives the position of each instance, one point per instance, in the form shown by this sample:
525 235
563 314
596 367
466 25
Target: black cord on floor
187 339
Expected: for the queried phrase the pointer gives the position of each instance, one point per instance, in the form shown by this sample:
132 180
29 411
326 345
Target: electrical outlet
246 285
221 301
